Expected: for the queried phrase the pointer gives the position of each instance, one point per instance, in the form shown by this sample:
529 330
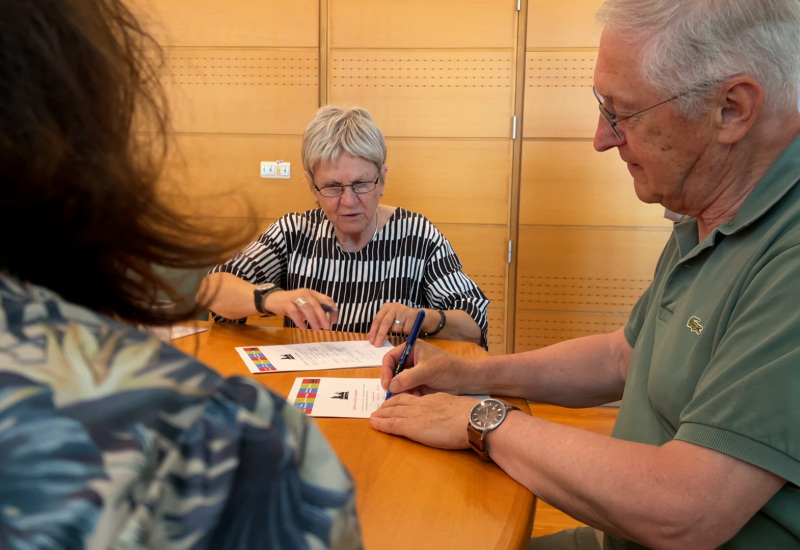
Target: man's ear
738 106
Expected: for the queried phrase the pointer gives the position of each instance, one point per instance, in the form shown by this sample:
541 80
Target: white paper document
313 356
181 331
167 333
337 397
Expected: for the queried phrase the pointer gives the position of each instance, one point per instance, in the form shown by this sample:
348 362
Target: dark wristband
442 323
262 291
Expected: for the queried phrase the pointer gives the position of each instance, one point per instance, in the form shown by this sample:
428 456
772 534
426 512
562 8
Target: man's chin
644 194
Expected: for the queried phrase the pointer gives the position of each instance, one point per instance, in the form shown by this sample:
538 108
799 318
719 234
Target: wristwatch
261 292
485 417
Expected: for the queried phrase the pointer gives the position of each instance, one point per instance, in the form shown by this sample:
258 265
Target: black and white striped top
408 261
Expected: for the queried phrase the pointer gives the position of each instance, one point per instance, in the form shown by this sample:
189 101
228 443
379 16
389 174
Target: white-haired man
699 97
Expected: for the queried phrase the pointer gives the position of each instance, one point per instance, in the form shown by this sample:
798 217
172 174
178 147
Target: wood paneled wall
587 246
443 81
438 79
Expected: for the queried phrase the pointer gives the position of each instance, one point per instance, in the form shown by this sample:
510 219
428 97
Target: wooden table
407 495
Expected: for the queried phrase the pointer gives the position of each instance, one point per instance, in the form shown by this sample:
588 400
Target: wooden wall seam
324 51
516 175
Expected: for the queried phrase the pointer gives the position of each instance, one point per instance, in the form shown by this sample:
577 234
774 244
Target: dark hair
83 140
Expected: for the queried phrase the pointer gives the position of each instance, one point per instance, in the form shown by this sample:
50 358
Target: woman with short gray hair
352 264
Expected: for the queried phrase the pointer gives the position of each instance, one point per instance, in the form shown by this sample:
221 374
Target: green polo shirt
716 347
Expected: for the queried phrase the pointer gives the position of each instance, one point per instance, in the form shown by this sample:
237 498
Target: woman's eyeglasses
359 187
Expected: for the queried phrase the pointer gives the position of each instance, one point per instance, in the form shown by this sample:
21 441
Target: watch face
487 414
265 286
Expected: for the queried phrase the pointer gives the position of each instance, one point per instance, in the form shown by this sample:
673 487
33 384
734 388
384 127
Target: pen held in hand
412 337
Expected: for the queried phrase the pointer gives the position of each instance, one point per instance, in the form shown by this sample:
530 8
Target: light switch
284 169
269 169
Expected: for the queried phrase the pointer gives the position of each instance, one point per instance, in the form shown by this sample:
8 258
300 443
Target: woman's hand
391 318
302 306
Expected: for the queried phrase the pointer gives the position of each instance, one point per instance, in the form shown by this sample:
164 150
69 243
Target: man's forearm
678 495
582 372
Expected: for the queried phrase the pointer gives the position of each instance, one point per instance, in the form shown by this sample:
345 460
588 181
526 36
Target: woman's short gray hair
342 129
689 45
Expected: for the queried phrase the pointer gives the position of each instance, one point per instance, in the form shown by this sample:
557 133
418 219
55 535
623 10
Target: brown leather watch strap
477 436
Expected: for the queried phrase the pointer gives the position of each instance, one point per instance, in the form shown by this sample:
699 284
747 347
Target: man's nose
604 136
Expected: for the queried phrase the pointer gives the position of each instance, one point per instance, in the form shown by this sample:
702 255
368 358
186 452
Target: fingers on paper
393 318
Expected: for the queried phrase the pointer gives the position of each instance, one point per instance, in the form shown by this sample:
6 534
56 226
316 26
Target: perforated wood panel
482 251
537 329
569 183
558 95
560 291
428 94
497 332
242 91
266 23
560 24
422 24
586 269
587 245
450 181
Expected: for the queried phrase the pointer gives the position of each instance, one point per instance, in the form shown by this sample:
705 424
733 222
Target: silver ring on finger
398 322
301 302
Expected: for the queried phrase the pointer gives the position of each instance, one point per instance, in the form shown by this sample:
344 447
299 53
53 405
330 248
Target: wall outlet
269 169
284 169
276 169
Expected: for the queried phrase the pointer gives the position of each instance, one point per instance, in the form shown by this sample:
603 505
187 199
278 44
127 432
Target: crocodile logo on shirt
694 324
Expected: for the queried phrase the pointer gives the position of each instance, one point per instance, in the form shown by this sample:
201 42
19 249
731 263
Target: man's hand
428 369
437 420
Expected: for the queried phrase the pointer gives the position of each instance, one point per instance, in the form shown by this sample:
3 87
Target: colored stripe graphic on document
259 359
307 394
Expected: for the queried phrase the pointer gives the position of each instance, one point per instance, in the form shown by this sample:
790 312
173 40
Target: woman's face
352 214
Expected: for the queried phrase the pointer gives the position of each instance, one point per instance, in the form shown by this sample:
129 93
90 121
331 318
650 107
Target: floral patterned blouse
110 438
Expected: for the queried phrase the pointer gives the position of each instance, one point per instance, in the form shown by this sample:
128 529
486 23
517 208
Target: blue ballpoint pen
412 337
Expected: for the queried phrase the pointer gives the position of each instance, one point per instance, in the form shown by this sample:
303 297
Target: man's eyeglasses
359 187
612 119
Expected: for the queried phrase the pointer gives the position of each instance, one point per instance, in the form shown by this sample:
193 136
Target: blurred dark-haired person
108 437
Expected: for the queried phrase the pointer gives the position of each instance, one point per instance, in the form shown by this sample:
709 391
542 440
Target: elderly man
700 99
